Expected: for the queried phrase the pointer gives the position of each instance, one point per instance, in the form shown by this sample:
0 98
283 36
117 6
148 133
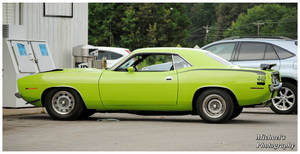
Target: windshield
219 59
119 62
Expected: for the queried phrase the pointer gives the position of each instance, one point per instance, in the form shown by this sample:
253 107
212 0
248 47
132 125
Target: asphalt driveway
129 132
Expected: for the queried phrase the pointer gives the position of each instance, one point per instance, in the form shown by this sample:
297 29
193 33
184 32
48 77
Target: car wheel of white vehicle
286 100
64 104
215 105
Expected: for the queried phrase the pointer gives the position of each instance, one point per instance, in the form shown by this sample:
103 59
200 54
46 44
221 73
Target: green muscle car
155 81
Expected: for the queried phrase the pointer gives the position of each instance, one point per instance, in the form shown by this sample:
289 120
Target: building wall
61 33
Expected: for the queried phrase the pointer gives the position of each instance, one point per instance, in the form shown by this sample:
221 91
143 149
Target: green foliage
137 25
275 19
227 13
201 15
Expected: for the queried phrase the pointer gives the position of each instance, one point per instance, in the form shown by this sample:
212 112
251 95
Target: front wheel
215 106
286 100
86 113
64 104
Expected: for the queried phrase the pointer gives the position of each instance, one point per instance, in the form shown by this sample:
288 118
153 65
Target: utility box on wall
61 25
22 58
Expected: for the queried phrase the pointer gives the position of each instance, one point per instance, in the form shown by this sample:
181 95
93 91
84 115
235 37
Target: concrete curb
23 111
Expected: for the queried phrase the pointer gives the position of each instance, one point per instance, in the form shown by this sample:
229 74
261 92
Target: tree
201 15
226 14
137 25
267 20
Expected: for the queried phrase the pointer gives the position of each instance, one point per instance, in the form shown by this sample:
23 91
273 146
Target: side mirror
130 69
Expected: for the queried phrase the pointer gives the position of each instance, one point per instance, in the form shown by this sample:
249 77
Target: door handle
169 78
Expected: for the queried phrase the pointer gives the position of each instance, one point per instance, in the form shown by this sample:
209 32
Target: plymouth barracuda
156 81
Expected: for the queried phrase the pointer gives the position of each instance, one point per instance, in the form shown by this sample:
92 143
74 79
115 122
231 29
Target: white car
252 52
112 54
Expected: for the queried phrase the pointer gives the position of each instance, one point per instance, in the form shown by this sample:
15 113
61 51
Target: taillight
128 51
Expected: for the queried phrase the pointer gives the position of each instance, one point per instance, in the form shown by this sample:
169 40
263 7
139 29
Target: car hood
64 75
79 70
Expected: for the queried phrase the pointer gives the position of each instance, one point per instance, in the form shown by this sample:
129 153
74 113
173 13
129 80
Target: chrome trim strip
216 69
174 68
32 101
276 87
18 95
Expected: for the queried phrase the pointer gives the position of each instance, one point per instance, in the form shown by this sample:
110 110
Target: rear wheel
64 104
286 100
236 112
215 106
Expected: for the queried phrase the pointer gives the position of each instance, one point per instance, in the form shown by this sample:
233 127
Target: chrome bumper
18 95
275 87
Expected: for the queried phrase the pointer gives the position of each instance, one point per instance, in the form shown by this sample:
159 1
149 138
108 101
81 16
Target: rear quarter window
282 53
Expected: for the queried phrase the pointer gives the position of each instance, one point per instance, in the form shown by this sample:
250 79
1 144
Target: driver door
152 83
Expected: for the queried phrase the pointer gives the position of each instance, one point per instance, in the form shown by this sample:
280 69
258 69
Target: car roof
287 44
194 56
178 50
111 49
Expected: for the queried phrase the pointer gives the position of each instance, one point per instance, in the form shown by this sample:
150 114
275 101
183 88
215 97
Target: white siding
63 9
61 33
10 13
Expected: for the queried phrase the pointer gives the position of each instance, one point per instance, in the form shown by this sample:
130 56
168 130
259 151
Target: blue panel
22 49
43 49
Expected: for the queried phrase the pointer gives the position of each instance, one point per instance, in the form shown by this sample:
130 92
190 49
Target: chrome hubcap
214 106
63 102
285 99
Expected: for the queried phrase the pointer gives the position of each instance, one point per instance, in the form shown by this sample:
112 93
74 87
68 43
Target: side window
155 63
252 51
223 50
282 53
108 55
180 63
270 53
148 63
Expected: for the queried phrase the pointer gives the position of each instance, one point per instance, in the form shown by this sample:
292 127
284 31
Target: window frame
60 16
152 53
273 50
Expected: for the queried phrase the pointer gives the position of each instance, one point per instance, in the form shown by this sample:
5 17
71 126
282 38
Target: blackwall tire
64 104
236 112
215 106
86 114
